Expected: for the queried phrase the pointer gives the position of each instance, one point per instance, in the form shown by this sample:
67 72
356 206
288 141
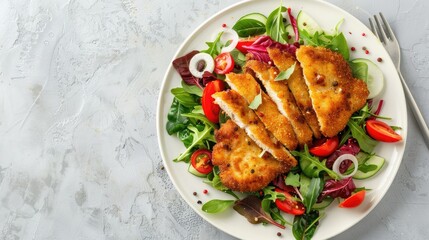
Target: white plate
337 219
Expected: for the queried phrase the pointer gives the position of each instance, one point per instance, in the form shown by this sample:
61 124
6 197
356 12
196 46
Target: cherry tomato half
211 109
246 42
381 131
325 147
224 63
354 200
289 205
201 160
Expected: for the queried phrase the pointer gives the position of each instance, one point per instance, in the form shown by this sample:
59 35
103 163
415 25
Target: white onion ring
193 64
340 159
229 35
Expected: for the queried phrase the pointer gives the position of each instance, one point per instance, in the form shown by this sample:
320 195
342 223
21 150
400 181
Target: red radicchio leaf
258 49
279 182
181 65
350 147
251 208
294 25
208 77
379 107
342 188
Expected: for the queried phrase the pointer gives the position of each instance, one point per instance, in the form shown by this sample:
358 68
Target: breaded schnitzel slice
237 108
280 94
335 94
267 111
296 83
241 167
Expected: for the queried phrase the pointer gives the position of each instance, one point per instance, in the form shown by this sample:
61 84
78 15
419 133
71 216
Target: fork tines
381 28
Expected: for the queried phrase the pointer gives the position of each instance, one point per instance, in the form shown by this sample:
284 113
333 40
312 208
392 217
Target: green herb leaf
304 226
199 138
184 97
217 205
256 101
275 27
310 190
249 27
359 70
215 46
176 122
339 44
366 143
284 75
192 89
292 179
239 57
311 166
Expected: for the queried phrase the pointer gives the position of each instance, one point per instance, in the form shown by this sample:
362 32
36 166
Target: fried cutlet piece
237 108
267 111
280 94
335 94
296 83
241 167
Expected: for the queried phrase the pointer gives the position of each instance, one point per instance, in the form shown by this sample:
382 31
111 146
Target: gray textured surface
79 158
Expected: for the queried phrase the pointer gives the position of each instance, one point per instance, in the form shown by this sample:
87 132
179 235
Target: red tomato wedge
211 109
289 205
354 200
242 43
201 160
381 131
325 147
224 63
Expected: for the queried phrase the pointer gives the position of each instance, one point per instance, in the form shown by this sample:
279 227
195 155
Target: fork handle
416 111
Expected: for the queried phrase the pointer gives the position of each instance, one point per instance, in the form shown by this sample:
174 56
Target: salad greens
312 184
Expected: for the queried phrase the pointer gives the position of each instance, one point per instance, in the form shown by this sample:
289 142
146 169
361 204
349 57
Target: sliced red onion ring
340 159
231 36
208 64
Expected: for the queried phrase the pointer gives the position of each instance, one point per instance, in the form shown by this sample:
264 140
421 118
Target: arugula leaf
304 226
198 139
198 110
217 205
310 190
275 27
176 122
256 101
249 27
272 195
184 97
215 46
192 89
366 143
337 42
284 75
311 166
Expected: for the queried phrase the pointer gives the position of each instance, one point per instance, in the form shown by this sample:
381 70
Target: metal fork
381 28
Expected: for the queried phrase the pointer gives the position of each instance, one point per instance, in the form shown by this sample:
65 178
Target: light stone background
79 159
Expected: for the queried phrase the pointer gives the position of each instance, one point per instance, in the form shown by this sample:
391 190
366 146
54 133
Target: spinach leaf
311 166
251 208
192 89
275 27
249 27
176 122
304 226
359 70
339 44
184 97
214 47
217 205
366 143
310 190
